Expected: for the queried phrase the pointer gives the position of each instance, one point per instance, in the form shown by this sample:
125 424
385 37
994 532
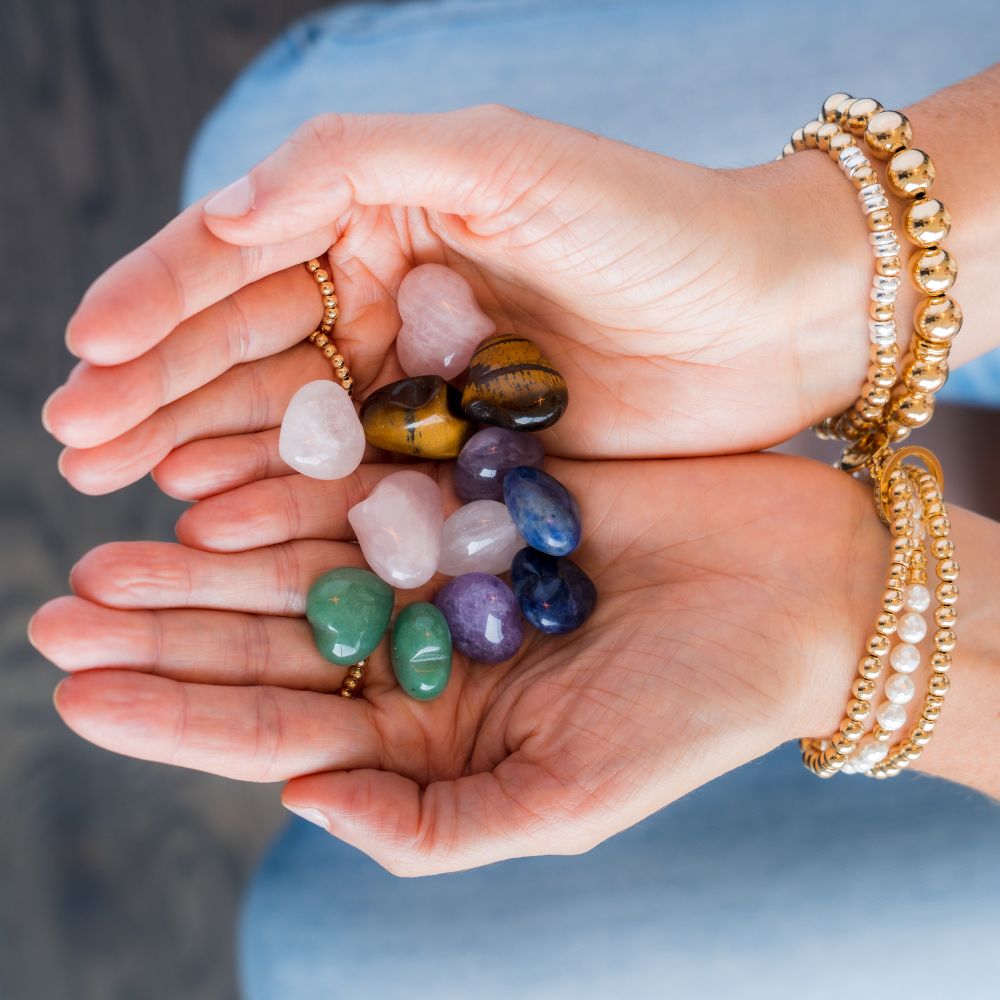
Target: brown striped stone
512 385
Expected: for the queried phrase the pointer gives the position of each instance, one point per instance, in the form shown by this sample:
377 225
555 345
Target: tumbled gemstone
442 324
554 594
487 456
417 416
483 617
478 537
512 385
321 435
421 651
349 611
399 526
543 510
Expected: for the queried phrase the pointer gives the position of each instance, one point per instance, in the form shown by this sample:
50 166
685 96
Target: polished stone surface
417 416
478 537
349 611
554 594
544 511
512 385
442 323
421 651
487 456
398 527
483 616
321 435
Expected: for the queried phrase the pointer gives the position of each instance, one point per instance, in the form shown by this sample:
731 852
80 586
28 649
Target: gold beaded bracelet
322 338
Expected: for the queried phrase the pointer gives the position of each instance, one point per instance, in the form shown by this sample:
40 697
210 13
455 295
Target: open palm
716 634
633 272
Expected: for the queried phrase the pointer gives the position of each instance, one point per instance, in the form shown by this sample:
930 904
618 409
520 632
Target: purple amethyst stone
483 616
486 458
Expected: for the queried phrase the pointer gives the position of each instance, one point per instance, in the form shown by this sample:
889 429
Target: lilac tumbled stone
487 456
483 616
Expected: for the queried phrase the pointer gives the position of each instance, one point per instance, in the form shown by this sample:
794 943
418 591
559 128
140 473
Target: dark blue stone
555 595
543 510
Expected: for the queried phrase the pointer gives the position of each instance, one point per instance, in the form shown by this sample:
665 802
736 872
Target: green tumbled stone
421 651
349 610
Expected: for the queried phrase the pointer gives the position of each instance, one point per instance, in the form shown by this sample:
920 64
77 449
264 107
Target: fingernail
45 409
66 335
55 693
312 815
61 462
232 201
31 626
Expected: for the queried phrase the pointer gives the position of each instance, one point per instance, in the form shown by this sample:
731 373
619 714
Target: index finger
175 274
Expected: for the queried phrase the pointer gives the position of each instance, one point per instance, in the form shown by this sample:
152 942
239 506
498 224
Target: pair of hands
669 295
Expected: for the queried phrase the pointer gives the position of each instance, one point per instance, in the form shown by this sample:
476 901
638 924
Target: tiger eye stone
417 416
511 385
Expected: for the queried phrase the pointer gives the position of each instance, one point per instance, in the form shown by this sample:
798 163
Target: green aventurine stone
421 651
349 610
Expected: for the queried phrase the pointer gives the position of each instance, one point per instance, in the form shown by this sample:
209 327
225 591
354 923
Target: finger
516 810
247 398
248 733
474 163
272 581
279 510
213 465
176 274
204 647
262 319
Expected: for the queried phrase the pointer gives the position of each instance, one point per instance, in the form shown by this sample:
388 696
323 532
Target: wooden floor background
118 879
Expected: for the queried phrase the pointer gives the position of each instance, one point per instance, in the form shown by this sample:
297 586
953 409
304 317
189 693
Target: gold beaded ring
321 337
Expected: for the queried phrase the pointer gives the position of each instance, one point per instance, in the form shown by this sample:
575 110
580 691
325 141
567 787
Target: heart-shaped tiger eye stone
511 385
417 416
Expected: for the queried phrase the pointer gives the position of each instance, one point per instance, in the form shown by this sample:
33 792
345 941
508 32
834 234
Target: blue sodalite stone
545 513
487 457
554 594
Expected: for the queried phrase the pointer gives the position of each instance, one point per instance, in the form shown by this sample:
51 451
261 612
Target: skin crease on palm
731 610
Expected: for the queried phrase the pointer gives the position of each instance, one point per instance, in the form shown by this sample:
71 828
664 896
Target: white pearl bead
871 751
904 657
890 716
916 597
899 689
912 627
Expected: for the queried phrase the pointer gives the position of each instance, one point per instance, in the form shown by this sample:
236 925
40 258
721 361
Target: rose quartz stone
399 528
442 324
479 538
321 435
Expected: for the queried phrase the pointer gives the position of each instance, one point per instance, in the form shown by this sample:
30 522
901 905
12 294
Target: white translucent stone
916 597
900 689
479 538
870 751
399 528
904 657
442 323
911 627
890 716
321 435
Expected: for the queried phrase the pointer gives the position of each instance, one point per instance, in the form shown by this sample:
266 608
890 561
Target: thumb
474 163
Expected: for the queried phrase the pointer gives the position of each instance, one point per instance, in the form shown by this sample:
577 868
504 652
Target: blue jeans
766 883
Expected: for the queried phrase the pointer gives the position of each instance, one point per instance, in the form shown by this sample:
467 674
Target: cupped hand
683 304
724 588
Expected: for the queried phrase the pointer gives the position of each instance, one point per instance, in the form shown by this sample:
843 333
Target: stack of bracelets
908 483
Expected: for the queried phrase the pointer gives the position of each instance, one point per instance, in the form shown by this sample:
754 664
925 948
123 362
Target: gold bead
338 360
887 132
321 276
933 270
924 376
787 149
932 712
885 378
840 142
870 667
347 383
880 734
944 640
853 729
939 684
947 570
862 177
914 410
882 312
946 593
313 266
945 617
889 267
932 503
921 738
329 351
943 548
938 319
824 134
842 744
809 131
798 139
863 689
344 693
880 221
892 600
326 287
910 173
860 113
877 397
902 526
933 701
877 645
350 683
886 624
900 506
926 222
933 354
829 110
357 672
858 710
321 340
941 661
329 301
886 355
939 527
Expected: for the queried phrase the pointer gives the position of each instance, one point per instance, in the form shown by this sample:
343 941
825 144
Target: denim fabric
766 883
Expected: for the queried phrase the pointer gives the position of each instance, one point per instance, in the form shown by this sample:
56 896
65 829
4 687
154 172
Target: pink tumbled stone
442 324
399 528
321 435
